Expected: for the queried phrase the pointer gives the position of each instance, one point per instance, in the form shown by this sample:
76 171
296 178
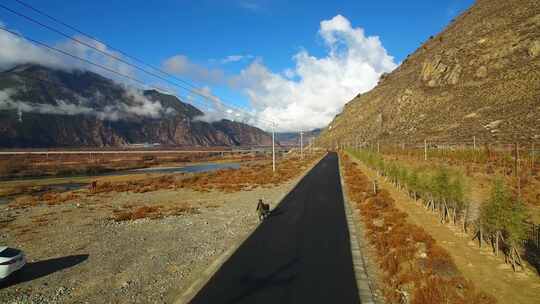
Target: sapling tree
413 184
502 218
440 190
457 197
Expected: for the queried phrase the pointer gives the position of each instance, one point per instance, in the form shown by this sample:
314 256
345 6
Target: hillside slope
43 107
479 77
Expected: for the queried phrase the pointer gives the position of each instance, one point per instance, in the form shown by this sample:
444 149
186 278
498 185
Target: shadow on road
276 212
280 276
36 270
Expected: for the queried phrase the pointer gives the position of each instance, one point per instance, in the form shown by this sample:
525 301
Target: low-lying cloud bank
215 109
135 105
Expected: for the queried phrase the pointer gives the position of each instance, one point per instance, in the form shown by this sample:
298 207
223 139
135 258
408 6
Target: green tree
504 215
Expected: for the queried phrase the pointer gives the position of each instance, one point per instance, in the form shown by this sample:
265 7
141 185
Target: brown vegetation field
416 269
34 165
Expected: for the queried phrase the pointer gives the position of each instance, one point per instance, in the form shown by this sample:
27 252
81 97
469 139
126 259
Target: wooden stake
425 149
497 243
516 169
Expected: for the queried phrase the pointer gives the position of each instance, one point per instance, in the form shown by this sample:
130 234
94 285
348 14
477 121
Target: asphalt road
300 254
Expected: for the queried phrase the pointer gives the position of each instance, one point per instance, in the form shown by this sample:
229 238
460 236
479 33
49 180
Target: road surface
300 254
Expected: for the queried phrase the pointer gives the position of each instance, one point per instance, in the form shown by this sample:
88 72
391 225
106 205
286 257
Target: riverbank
10 189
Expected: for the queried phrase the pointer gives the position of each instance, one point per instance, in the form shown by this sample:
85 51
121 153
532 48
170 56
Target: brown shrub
153 212
23 202
247 177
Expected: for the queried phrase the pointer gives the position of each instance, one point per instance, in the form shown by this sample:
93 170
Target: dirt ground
78 253
489 273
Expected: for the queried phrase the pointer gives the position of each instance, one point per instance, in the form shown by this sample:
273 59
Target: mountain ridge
46 107
478 78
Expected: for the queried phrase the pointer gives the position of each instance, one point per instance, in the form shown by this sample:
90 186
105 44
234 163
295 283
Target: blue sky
268 34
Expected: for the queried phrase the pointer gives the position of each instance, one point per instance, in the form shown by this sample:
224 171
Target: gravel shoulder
78 254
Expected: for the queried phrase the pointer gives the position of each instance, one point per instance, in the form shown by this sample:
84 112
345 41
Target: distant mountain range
45 107
293 138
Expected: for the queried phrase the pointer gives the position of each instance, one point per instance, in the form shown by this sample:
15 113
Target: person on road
263 210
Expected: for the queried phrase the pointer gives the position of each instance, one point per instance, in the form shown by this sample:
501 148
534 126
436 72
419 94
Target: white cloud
232 58
16 50
214 109
98 57
140 105
181 65
252 5
235 58
315 90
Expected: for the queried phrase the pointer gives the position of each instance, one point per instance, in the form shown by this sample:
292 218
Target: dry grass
248 177
48 198
152 212
86 164
23 202
415 267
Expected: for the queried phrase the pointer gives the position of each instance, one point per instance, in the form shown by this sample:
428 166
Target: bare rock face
479 77
534 49
481 72
453 77
80 108
436 73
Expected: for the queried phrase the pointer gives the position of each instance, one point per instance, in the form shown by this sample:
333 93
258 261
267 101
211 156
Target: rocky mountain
479 77
44 107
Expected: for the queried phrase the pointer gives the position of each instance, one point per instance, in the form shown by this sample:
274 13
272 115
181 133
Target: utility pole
273 148
301 144
474 142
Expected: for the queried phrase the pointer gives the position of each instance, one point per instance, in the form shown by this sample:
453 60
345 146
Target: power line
50 48
44 45
97 40
87 45
195 89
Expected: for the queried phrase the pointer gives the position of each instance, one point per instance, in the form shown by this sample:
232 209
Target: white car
11 260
